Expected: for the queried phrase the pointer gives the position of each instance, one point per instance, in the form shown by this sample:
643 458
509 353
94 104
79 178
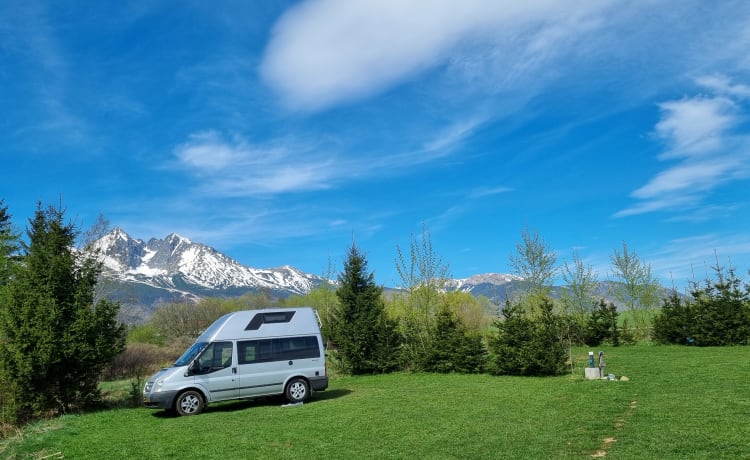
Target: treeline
57 340
426 328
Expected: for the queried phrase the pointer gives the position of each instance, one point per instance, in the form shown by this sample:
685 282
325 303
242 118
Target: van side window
282 349
216 356
269 318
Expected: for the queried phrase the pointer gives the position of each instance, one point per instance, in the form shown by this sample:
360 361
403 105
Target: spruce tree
57 338
454 348
528 344
601 325
8 243
365 338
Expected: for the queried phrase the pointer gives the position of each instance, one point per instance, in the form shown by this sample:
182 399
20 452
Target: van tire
189 403
297 390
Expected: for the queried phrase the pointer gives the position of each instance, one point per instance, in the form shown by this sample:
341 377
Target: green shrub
454 347
527 345
718 314
601 325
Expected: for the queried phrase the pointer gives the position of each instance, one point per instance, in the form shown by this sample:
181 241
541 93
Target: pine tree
675 321
528 344
57 339
722 311
454 347
8 243
602 326
365 338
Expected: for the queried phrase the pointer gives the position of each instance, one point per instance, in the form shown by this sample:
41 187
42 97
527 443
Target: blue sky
278 132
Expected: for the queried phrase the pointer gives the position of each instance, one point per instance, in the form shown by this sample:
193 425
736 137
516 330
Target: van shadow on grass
269 401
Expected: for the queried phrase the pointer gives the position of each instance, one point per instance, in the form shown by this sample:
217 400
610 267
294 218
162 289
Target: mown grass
679 403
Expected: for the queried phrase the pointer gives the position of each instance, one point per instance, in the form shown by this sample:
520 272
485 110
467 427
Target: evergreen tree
57 339
675 321
365 339
722 311
528 344
455 348
8 244
602 325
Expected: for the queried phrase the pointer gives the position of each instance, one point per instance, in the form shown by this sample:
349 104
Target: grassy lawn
679 403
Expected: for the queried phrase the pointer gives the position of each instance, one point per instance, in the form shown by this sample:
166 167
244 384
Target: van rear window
269 318
280 349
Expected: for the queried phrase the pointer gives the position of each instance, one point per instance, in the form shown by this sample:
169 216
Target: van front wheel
297 390
189 403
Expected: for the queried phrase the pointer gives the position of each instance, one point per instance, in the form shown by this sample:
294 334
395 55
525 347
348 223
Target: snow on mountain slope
470 283
178 263
151 273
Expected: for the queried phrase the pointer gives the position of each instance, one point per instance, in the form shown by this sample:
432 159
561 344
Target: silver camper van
244 354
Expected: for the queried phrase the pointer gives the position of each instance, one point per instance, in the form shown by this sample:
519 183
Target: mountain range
146 274
142 275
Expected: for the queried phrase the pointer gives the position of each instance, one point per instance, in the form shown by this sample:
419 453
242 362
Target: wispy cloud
691 258
698 133
484 192
234 167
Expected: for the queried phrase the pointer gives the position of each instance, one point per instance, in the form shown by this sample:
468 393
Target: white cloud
691 258
234 167
698 132
721 84
696 125
689 177
326 52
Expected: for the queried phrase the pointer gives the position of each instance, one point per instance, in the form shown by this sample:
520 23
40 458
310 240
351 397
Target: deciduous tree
635 286
535 262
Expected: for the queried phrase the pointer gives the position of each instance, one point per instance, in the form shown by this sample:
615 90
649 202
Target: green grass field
679 403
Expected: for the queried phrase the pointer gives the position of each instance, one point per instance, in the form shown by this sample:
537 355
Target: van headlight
153 386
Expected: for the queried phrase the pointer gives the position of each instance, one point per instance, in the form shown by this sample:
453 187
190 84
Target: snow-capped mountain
143 275
175 268
475 281
495 286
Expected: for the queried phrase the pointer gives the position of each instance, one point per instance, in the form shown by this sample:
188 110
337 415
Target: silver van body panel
253 374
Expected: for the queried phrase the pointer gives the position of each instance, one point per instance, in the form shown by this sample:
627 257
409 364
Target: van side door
261 373
216 370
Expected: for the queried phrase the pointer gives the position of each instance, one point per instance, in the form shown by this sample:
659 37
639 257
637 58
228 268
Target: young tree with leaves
366 340
635 287
536 263
423 275
57 339
581 285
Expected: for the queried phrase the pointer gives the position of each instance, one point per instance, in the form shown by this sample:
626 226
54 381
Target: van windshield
190 354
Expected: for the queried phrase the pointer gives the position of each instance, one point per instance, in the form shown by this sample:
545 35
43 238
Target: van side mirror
192 368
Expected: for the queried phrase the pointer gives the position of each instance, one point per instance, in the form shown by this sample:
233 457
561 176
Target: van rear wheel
297 390
189 403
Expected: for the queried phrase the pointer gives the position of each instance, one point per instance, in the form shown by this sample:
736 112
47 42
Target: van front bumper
159 400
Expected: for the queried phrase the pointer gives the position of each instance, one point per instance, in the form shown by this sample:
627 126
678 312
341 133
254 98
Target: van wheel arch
189 402
297 390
